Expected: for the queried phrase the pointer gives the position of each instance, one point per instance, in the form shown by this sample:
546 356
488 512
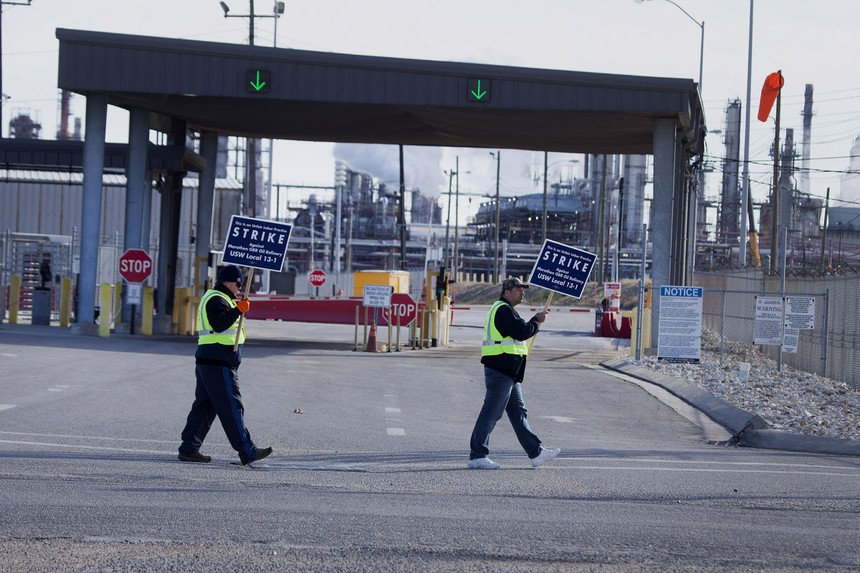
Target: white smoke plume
421 165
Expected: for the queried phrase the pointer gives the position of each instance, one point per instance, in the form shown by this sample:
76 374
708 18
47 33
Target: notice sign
679 335
134 293
377 296
562 269
790 339
256 243
800 312
768 320
612 293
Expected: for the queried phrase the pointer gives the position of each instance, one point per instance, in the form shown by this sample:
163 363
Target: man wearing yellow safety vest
503 354
217 390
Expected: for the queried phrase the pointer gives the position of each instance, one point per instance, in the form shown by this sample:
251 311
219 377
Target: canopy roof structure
279 93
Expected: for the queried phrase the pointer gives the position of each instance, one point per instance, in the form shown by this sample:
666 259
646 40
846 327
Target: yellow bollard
434 324
646 328
117 299
105 309
14 299
65 302
146 311
183 303
175 318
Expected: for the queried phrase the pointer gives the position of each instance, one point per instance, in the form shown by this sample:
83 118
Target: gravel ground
791 401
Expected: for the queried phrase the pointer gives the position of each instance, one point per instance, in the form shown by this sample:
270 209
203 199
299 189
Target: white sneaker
544 456
483 464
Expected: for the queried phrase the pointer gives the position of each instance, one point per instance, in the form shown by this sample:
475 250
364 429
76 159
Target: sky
810 42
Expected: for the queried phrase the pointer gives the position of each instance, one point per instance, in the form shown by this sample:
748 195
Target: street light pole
742 251
448 218
701 26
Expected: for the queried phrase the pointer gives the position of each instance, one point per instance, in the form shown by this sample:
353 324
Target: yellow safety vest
494 343
205 335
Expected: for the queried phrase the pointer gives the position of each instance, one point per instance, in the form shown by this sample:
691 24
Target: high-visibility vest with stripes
496 344
205 335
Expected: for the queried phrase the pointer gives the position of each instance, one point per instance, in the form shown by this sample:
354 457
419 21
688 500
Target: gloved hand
243 305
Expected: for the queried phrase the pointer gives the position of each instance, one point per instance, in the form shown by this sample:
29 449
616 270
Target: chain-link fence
828 349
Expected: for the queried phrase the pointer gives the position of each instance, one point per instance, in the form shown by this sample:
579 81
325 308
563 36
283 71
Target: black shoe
261 453
195 457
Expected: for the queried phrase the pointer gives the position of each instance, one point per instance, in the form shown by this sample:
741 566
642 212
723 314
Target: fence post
826 330
723 328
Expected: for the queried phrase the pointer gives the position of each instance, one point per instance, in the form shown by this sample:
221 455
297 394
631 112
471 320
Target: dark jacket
509 323
221 316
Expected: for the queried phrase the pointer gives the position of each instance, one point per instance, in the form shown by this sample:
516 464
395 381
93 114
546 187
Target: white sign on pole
679 335
768 320
377 296
134 293
800 312
612 292
790 339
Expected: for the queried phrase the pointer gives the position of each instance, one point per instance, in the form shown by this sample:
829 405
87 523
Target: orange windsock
772 84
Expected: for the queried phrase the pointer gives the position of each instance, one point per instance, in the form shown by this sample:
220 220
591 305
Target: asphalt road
371 475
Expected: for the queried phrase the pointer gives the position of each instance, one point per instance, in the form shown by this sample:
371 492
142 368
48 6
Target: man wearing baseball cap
503 354
217 390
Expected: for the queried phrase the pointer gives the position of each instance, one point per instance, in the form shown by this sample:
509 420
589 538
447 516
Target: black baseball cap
513 282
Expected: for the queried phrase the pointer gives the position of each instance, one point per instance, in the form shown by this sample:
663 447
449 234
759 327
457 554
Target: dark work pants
217 393
503 395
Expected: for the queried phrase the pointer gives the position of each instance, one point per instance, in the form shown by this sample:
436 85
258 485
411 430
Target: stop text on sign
135 265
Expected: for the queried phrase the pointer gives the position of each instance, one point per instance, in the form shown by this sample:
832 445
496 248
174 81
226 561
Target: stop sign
404 308
317 277
135 265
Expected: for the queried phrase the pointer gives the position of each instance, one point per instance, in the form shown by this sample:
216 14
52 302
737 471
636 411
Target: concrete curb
750 429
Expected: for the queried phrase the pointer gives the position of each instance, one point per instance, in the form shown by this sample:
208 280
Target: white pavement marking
560 419
8 355
7 406
76 447
392 410
846 472
76 437
396 431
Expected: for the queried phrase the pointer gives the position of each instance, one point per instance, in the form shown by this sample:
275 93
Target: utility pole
456 217
601 221
250 197
774 203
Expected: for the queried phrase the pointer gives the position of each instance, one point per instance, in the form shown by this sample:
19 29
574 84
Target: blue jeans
503 395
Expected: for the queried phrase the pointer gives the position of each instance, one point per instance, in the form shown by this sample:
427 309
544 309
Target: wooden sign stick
545 309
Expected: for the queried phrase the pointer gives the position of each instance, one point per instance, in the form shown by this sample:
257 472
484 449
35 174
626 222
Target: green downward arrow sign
478 90
479 93
257 84
258 81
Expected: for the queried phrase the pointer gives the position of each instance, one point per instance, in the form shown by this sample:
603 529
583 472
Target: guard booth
32 267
